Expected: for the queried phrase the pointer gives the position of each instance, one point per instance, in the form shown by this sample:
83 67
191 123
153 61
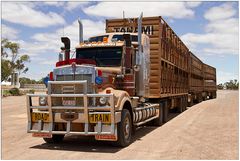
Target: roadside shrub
14 91
6 93
32 91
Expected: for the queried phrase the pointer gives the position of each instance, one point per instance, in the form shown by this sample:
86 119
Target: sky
209 29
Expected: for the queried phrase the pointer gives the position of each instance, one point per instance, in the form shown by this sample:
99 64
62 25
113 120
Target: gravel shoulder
208 130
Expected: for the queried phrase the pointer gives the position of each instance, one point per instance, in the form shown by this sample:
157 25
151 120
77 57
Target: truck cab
97 92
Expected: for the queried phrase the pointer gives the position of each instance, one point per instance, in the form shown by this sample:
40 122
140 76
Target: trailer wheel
204 98
124 129
55 139
199 98
190 104
159 121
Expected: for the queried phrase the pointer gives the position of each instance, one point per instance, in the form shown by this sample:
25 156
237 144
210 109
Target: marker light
98 80
51 76
99 73
105 39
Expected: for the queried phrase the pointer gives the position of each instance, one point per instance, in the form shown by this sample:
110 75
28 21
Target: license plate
43 135
104 118
69 102
40 116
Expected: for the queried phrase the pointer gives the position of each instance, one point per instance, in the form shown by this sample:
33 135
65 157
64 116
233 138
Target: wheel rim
126 128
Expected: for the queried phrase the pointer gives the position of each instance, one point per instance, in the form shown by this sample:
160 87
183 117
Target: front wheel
124 129
55 139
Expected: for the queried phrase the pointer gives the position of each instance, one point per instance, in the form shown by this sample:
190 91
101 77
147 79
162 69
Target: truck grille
66 73
87 77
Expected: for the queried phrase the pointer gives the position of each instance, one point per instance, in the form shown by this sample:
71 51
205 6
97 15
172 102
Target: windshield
104 56
134 38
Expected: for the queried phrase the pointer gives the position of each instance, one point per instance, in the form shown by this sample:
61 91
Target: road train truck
134 73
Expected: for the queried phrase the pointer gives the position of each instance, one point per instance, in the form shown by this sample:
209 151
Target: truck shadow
89 144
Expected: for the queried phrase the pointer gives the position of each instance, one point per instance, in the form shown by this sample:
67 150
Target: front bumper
83 113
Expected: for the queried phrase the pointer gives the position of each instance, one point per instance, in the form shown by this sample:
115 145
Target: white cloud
9 32
221 32
220 51
53 3
25 14
90 28
74 5
48 62
229 25
37 75
193 4
133 9
36 48
220 12
51 42
221 43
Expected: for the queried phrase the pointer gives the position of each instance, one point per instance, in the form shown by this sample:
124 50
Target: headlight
42 101
103 100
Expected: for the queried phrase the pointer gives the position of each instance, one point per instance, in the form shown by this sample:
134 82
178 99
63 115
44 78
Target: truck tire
204 98
184 103
165 112
190 104
200 98
159 121
211 95
56 138
124 130
180 106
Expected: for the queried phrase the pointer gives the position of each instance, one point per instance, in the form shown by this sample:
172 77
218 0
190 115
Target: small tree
232 84
6 70
15 63
19 64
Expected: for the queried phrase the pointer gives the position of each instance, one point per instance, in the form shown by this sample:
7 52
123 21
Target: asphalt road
208 130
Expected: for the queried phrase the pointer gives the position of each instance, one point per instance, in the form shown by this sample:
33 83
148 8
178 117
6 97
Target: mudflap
107 137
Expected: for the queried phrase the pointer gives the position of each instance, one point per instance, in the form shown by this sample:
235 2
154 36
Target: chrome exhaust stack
80 31
66 48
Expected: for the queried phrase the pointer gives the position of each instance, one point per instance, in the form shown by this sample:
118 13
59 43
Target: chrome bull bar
84 116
